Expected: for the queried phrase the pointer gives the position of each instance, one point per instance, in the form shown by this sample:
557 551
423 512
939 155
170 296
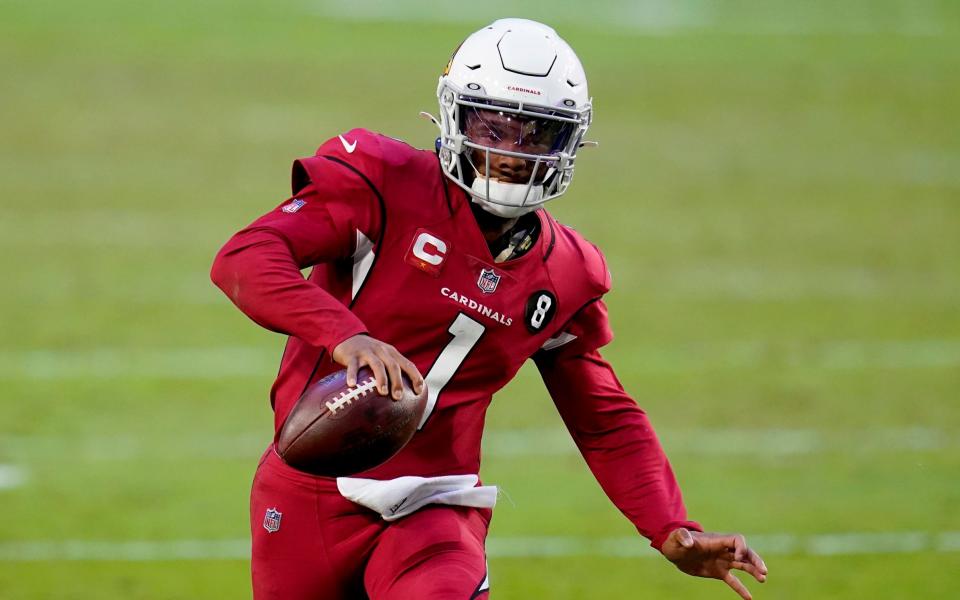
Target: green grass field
777 190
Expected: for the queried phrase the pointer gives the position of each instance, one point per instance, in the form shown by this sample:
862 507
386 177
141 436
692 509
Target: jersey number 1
466 333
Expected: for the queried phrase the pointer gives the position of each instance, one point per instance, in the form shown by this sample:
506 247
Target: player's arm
259 270
617 441
621 448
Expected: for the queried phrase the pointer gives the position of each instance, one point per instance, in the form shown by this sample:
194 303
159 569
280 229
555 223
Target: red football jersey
397 253
414 267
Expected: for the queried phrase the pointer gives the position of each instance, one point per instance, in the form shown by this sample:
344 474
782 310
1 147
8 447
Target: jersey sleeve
259 267
617 441
589 327
588 330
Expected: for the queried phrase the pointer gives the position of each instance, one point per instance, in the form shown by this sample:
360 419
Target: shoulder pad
369 153
574 252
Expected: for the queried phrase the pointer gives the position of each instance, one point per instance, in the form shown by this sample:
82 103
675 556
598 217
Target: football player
444 262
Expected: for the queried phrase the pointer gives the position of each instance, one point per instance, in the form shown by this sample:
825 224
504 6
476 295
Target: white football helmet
514 109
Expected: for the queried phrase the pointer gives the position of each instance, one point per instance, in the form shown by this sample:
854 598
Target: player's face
514 133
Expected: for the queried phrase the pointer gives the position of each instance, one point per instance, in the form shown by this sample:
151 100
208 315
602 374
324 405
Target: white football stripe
831 544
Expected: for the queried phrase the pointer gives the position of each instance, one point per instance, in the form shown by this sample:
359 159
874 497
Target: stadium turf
776 190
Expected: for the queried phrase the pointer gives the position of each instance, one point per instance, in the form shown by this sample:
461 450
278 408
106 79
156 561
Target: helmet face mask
522 133
511 153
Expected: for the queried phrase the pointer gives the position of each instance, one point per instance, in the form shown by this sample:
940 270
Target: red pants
321 546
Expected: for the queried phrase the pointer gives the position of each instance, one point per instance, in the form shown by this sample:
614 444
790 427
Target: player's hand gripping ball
335 430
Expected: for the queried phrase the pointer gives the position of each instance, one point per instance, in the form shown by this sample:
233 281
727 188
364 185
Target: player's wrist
344 338
661 537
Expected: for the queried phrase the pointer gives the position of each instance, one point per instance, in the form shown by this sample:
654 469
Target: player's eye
518 133
480 130
489 132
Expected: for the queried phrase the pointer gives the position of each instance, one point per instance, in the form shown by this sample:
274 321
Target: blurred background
777 190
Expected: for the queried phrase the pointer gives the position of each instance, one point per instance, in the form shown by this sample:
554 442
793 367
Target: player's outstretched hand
714 555
383 359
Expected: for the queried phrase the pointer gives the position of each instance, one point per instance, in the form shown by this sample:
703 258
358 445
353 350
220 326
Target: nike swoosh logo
347 145
396 507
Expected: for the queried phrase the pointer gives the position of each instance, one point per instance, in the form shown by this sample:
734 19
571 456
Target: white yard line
114 363
256 361
750 281
831 544
765 442
114 228
656 17
140 550
769 443
11 476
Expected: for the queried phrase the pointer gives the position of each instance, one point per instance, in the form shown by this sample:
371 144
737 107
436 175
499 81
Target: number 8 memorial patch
540 310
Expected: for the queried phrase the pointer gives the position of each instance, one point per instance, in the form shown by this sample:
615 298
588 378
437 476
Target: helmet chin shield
506 200
514 110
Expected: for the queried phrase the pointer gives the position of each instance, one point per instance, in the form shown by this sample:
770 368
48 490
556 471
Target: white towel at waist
396 498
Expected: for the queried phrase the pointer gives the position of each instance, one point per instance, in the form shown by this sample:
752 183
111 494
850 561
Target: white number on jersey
466 333
543 305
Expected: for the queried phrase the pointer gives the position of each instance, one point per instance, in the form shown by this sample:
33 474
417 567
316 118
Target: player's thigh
291 553
436 553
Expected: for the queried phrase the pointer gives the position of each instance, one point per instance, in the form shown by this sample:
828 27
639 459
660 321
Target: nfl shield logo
295 205
271 520
488 281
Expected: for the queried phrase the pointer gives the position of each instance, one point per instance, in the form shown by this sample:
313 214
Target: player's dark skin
710 555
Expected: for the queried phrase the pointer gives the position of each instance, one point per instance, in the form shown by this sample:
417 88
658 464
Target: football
335 430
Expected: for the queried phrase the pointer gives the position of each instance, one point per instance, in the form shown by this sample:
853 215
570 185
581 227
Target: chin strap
520 241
